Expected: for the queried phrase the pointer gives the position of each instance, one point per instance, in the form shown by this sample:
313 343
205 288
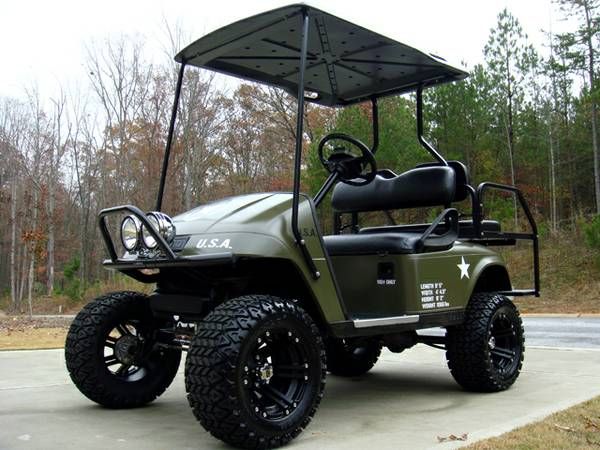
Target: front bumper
212 259
138 267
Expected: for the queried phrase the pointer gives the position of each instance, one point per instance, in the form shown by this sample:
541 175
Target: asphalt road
406 401
571 332
555 332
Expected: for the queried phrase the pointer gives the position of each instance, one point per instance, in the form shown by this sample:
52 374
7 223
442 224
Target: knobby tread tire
342 362
211 372
467 350
84 349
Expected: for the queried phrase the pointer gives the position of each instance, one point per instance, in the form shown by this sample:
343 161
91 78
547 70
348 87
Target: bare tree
119 79
12 133
60 136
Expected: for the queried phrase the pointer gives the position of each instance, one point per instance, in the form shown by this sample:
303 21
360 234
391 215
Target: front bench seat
415 188
372 244
383 244
418 187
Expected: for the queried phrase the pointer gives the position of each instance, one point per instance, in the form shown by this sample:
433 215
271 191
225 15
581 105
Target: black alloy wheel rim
504 344
124 351
276 374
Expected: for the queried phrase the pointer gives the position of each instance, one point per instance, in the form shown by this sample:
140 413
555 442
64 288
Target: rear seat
466 230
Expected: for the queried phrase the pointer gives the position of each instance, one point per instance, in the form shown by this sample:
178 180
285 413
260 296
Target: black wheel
352 357
111 353
485 353
255 371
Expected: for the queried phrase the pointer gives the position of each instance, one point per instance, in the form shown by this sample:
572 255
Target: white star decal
464 268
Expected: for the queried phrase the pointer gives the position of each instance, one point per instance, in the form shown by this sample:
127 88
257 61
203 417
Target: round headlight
161 223
149 240
130 231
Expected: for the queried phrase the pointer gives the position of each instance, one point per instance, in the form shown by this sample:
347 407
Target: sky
43 43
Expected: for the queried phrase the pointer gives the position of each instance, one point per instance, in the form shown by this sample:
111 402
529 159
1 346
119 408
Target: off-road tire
85 353
475 360
351 357
222 382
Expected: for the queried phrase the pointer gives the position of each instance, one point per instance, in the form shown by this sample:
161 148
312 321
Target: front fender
266 233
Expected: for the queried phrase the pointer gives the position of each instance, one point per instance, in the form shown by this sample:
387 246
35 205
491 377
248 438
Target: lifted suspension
179 336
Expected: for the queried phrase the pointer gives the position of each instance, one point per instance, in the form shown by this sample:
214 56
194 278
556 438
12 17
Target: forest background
520 118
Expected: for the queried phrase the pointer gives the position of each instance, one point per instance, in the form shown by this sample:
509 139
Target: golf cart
263 303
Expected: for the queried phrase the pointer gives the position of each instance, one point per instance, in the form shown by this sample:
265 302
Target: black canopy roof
345 64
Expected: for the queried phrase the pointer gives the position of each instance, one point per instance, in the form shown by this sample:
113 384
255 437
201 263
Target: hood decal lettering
214 243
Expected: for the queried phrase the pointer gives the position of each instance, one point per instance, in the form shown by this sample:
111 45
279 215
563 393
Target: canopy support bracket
298 155
165 166
422 140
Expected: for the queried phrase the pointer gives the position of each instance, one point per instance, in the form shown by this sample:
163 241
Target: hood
252 212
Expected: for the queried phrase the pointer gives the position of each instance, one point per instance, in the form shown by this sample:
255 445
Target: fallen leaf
561 427
453 437
589 423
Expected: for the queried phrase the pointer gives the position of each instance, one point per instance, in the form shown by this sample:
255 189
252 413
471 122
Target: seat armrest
429 242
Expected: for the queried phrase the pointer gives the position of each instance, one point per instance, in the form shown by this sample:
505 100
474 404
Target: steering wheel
348 167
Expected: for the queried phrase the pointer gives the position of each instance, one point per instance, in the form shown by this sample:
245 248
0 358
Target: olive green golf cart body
420 290
255 292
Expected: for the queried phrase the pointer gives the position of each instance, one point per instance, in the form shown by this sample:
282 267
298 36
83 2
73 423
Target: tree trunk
13 244
24 269
31 277
510 145
553 212
511 136
30 285
513 182
591 68
50 246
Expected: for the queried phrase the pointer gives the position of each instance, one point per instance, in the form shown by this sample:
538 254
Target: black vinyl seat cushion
466 229
415 188
371 244
382 243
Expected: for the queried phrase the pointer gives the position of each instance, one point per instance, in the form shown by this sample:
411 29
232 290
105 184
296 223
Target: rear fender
492 278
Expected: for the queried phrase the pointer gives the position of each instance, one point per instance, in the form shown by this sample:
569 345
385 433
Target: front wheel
485 353
111 353
255 371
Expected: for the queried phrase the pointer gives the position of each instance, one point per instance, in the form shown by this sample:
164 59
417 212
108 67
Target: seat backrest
462 178
418 187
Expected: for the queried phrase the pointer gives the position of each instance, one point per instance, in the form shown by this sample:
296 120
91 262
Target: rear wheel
352 357
255 371
112 355
485 353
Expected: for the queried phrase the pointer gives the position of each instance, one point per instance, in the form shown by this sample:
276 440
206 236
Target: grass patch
574 428
24 333
570 276
63 304
32 338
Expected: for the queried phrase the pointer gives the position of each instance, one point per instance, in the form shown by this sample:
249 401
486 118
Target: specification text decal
433 295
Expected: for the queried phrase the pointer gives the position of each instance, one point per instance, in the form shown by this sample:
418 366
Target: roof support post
375 119
298 155
422 140
165 166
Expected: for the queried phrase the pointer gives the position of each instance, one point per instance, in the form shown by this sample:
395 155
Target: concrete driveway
405 402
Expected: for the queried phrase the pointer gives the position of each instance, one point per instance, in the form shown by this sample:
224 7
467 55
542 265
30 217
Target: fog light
130 232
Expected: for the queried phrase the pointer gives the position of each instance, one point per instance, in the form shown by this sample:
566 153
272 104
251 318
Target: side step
385 321
519 292
380 326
